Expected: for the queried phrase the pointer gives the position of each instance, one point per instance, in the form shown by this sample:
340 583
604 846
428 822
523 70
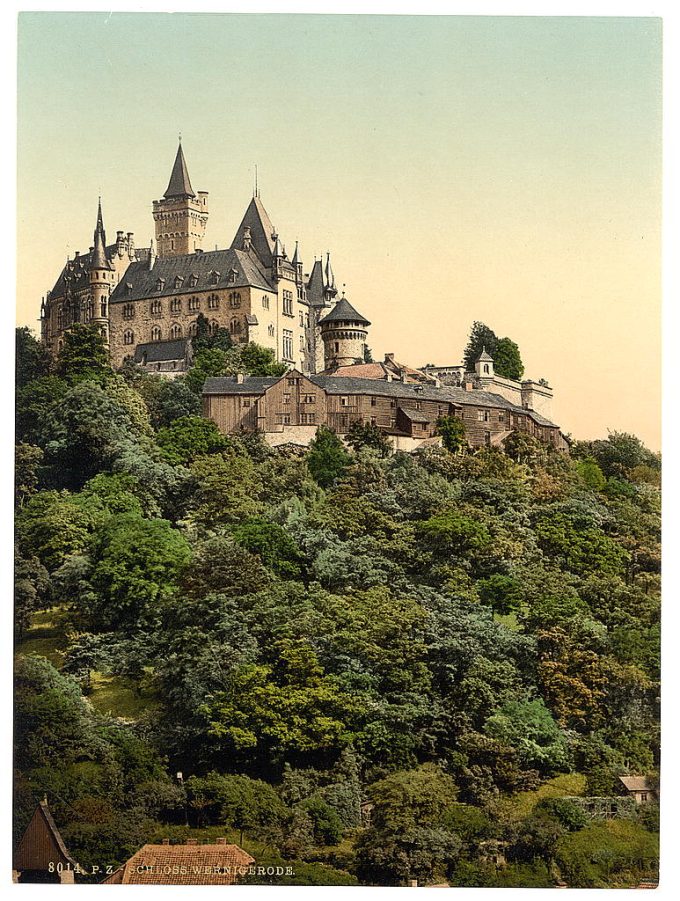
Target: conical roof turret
99 260
179 185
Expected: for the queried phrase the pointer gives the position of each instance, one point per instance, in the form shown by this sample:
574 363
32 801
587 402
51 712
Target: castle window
292 381
160 284
179 281
103 309
156 308
501 417
245 402
283 418
214 277
374 401
307 418
286 399
265 302
287 344
306 320
155 333
337 347
309 398
302 320
235 327
214 327
176 331
128 337
270 331
193 329
486 367
193 280
60 318
175 305
344 401
235 299
128 311
194 303
231 278
287 303
213 302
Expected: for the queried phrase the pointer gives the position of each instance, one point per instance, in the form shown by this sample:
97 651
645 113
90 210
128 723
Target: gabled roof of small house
41 843
636 783
415 415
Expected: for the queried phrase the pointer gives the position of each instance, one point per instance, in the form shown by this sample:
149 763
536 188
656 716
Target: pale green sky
458 168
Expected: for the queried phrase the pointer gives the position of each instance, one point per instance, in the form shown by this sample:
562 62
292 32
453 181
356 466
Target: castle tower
102 279
343 332
181 216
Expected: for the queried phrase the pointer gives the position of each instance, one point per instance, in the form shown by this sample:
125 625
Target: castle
146 302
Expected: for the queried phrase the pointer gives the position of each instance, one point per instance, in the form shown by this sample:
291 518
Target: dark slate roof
252 384
162 351
79 269
415 415
315 286
180 185
343 311
379 388
144 280
261 231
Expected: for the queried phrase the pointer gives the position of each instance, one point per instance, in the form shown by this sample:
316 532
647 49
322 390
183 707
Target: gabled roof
228 384
415 415
261 230
144 281
636 783
190 864
41 843
343 311
180 185
484 357
77 272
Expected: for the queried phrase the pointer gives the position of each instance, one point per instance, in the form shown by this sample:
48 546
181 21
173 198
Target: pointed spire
99 260
328 272
179 185
278 250
296 256
152 255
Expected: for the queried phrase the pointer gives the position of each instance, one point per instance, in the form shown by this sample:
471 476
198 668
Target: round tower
101 279
343 332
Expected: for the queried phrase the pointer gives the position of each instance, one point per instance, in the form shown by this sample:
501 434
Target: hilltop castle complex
146 302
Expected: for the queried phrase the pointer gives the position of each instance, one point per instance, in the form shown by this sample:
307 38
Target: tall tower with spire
181 216
102 279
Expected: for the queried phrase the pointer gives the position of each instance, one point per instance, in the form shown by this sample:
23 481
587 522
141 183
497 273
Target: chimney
221 840
165 841
152 255
467 385
240 378
389 358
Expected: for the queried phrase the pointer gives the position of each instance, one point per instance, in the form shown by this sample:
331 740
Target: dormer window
160 284
214 277
193 280
128 288
179 281
231 278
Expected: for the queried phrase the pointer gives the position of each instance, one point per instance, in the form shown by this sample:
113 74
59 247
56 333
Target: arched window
175 305
265 302
235 299
176 331
103 309
155 333
194 303
486 367
156 308
193 328
270 331
128 336
213 302
214 327
128 311
235 327
60 318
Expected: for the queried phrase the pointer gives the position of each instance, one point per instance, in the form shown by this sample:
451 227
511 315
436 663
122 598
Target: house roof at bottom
162 351
214 864
415 415
227 384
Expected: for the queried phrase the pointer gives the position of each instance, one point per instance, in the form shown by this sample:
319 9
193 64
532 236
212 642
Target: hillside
376 667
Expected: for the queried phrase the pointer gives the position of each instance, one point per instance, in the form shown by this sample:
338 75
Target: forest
377 667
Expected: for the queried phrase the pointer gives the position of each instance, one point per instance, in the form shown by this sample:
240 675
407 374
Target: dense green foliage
378 667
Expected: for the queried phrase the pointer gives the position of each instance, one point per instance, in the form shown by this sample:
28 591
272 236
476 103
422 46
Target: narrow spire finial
180 137
257 190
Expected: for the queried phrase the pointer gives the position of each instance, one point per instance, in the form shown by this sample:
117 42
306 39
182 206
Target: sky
499 169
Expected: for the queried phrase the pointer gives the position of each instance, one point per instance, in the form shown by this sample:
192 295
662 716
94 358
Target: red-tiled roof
214 864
